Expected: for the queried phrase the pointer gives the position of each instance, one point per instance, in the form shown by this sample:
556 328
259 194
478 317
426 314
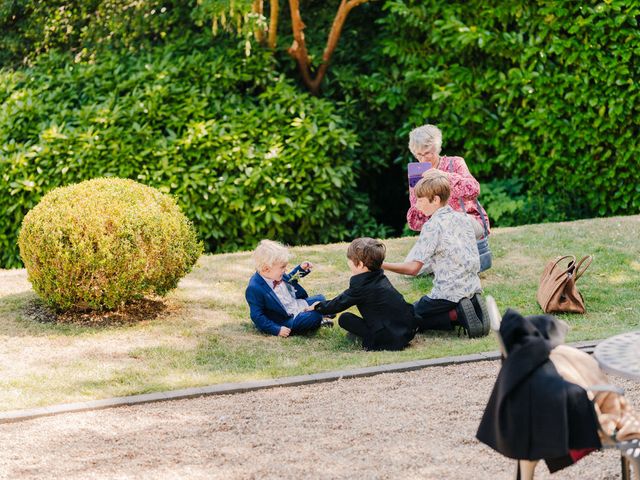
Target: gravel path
417 425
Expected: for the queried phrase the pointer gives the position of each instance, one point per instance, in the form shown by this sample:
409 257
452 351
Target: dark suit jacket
389 318
533 413
266 310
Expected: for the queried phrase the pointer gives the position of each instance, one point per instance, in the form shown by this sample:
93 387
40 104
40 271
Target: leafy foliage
85 27
541 98
543 91
101 243
245 154
354 82
233 16
510 204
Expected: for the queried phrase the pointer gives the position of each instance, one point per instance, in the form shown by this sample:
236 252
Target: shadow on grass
25 314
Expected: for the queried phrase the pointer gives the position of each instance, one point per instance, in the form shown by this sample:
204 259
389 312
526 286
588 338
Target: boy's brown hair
367 250
433 182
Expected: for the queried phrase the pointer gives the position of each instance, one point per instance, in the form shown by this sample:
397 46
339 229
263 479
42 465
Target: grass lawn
205 335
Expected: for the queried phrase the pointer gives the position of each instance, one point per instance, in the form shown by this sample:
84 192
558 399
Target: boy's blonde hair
268 253
433 182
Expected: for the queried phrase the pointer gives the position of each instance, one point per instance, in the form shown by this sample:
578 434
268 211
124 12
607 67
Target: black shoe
326 323
468 319
482 312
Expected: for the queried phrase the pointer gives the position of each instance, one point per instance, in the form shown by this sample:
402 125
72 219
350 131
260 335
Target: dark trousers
433 314
378 340
354 324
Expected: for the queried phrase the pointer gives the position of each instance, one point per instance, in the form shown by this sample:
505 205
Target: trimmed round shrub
99 244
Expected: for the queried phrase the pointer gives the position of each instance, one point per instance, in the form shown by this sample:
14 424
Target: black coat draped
533 413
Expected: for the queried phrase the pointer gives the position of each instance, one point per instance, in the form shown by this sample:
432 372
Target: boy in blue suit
278 304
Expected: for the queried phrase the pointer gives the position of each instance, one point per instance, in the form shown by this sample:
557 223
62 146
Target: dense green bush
101 243
510 204
547 92
85 27
245 154
382 145
541 98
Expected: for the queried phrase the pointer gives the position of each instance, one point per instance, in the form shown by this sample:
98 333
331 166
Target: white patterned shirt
448 240
287 296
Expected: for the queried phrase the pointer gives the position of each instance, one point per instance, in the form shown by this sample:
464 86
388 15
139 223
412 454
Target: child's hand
284 332
311 307
306 265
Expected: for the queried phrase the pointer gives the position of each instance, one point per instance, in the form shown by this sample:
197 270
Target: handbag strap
483 214
579 272
483 217
559 259
568 271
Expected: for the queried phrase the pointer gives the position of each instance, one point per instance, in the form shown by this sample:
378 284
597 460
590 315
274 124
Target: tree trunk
273 24
258 7
298 49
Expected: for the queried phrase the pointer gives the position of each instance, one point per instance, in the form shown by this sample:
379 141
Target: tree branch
336 28
273 24
298 49
257 7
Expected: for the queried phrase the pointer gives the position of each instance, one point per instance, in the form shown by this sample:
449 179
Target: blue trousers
306 321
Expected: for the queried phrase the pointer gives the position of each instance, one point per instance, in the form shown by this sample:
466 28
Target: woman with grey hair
425 143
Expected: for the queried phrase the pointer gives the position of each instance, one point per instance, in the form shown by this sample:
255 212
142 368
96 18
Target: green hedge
543 92
84 27
245 153
541 98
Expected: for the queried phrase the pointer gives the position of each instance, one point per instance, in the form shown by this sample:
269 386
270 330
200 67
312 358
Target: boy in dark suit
277 303
387 321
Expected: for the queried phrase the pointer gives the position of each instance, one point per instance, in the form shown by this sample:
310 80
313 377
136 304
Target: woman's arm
405 268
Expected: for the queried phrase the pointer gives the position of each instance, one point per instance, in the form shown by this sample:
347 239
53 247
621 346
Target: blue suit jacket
267 312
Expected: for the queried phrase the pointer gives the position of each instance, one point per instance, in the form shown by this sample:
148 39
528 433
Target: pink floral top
463 186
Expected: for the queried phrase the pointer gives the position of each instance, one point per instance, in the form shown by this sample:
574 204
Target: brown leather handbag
557 291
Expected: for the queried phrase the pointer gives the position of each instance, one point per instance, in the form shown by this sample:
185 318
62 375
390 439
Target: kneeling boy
448 239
